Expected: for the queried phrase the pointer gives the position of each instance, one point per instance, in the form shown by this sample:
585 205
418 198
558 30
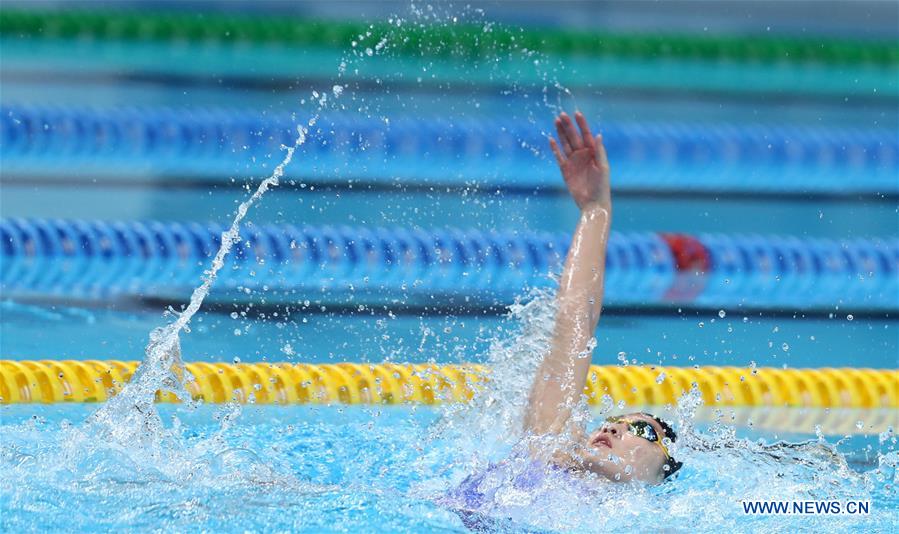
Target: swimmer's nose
612 428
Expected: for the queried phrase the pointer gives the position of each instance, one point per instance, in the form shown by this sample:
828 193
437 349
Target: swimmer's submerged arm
562 375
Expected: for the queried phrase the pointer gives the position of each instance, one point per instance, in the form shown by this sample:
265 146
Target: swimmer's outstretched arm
562 375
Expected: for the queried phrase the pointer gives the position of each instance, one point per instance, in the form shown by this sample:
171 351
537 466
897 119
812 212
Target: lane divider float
464 41
103 259
53 381
170 142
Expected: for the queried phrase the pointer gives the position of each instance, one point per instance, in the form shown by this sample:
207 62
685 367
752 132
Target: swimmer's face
638 458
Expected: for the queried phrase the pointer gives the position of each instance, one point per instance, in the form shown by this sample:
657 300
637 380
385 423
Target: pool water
333 469
692 338
133 465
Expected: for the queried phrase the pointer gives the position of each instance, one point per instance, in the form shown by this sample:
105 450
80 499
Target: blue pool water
333 469
759 168
39 332
340 468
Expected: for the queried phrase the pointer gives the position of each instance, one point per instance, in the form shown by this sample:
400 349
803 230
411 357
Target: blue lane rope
652 156
94 259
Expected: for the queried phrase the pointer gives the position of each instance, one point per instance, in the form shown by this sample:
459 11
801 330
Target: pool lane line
52 381
199 142
468 41
286 310
444 269
295 84
674 310
364 185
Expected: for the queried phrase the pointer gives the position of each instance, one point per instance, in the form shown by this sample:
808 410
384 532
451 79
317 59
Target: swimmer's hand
583 162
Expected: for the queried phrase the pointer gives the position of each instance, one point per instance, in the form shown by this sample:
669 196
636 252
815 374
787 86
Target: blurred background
753 147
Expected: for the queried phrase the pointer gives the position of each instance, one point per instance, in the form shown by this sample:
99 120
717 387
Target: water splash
721 468
126 440
131 416
493 419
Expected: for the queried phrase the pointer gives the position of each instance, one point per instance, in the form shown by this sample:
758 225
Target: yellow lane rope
49 381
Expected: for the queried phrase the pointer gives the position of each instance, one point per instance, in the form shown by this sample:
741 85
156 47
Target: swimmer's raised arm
562 375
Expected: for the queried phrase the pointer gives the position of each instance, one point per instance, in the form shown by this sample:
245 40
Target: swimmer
556 463
625 448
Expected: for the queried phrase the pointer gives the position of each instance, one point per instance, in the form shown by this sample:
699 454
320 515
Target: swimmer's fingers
560 159
585 131
563 138
571 134
601 157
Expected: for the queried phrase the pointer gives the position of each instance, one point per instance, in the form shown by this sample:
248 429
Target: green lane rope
465 40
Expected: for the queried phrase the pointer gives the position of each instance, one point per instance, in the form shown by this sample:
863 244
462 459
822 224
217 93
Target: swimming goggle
641 429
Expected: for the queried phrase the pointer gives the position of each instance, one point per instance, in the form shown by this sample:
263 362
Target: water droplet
722 314
234 315
859 425
237 331
701 324
660 378
849 317
785 347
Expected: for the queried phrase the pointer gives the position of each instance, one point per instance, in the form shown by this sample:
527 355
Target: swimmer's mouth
601 440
